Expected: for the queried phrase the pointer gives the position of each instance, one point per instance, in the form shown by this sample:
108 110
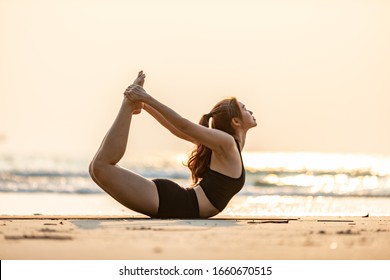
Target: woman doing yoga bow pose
215 163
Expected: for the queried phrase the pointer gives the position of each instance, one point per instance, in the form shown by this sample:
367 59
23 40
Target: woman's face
248 119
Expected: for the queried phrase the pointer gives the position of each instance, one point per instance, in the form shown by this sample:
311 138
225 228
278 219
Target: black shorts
176 202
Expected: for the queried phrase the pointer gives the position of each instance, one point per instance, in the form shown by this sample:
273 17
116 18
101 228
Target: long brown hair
221 116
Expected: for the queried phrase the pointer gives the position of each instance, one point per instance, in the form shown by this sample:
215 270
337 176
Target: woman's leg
130 189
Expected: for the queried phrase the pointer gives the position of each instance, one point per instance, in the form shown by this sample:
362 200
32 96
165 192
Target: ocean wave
305 191
53 175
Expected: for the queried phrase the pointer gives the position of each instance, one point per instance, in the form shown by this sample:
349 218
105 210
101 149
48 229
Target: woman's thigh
130 189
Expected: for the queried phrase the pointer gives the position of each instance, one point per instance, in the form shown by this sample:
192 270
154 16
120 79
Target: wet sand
136 237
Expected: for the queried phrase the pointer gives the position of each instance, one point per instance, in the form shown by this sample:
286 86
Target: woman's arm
155 114
140 80
214 139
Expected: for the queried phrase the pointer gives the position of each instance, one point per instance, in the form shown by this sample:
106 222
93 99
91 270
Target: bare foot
136 107
140 80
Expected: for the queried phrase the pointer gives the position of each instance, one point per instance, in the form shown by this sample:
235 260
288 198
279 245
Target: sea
277 184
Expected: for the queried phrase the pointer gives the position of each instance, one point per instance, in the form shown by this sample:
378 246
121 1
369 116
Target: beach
46 237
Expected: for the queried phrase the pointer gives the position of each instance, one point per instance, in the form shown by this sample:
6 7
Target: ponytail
205 119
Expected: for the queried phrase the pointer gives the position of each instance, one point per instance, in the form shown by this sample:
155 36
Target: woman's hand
136 93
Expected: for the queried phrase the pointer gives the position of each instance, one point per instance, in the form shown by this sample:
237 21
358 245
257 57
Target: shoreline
136 237
240 205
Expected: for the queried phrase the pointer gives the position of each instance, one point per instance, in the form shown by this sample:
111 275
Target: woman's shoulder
228 147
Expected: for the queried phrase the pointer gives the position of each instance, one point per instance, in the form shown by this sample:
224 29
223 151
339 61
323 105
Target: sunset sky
316 74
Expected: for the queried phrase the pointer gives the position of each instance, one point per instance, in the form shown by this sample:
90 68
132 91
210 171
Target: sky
316 74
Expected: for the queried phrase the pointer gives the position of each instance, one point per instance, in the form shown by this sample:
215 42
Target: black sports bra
220 188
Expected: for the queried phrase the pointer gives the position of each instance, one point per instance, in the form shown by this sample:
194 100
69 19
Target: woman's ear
236 122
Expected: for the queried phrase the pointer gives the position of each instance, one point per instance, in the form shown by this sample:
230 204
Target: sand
137 237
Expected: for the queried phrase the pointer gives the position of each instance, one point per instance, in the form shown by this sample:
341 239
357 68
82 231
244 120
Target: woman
215 163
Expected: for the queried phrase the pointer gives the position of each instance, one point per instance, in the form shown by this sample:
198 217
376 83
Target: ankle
133 108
